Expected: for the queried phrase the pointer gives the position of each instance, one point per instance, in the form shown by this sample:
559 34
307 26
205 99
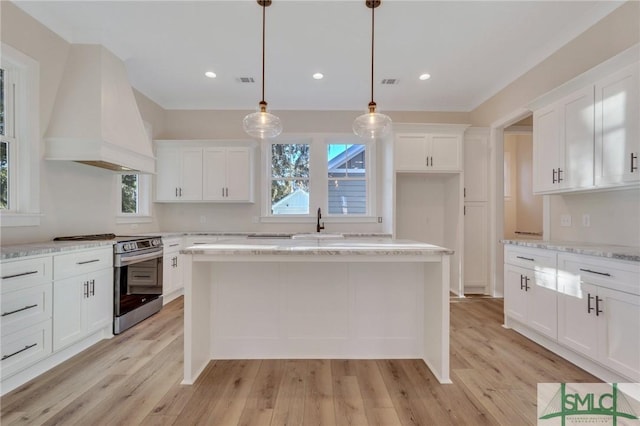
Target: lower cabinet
530 297
82 306
172 282
588 304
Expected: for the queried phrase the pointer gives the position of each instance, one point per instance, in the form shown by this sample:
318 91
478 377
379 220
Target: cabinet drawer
25 347
195 240
19 274
171 245
530 258
77 263
25 307
608 273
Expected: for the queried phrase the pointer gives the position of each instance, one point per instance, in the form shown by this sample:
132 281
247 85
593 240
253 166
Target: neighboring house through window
302 178
135 203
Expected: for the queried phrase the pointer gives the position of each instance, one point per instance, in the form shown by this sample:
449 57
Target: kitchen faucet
318 226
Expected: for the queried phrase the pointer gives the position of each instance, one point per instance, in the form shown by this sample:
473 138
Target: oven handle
124 261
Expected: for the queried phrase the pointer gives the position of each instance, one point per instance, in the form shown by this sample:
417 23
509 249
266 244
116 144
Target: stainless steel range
137 277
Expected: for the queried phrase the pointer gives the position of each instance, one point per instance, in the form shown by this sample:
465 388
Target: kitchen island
358 298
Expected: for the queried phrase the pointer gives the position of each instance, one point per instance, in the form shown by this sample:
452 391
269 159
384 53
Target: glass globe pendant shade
261 124
372 125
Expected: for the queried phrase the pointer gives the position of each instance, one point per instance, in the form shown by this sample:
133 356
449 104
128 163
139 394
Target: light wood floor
134 378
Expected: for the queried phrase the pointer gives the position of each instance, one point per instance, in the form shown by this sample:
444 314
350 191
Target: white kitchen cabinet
617 129
172 281
476 211
25 325
530 297
227 174
563 144
599 311
82 296
179 174
428 152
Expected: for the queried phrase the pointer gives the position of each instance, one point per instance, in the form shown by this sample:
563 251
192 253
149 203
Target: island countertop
318 246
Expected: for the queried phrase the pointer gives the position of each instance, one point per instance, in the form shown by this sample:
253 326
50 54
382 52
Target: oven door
137 281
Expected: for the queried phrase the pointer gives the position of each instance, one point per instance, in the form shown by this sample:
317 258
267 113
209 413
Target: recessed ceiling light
425 76
318 76
210 74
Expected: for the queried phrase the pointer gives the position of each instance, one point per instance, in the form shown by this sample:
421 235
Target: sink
317 236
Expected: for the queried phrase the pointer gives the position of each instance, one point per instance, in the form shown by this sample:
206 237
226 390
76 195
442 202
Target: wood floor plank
319 406
289 407
349 406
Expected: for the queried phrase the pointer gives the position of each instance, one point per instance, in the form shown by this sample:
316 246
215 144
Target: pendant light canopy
372 125
261 124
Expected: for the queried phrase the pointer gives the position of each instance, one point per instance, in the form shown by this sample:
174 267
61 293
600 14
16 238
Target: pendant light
372 125
261 124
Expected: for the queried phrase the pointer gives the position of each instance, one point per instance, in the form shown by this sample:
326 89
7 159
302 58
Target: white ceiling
472 49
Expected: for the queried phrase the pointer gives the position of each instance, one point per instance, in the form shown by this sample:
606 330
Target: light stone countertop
16 251
306 247
592 249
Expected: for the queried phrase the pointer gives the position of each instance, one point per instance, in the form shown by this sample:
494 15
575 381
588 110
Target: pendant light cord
372 49
264 9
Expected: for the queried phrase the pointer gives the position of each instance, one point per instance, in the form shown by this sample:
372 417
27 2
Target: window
19 139
331 172
134 203
290 179
347 189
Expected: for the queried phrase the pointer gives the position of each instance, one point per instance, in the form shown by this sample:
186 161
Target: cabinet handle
176 191
432 161
17 352
589 299
554 176
464 192
4 314
596 272
93 287
86 289
521 282
559 177
633 166
222 191
88 261
526 258
181 192
226 192
22 274
174 245
598 310
526 283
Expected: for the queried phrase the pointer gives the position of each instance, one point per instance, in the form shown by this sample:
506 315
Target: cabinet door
176 273
239 174
515 297
445 152
546 149
191 174
215 166
476 164
576 121
476 271
542 314
168 174
618 127
68 301
168 263
410 152
99 304
577 321
618 335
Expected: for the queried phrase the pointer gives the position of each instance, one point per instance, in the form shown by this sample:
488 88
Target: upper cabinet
617 135
203 171
590 138
563 144
428 148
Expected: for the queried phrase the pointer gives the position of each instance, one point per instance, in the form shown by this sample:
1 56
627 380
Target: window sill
313 219
12 219
134 219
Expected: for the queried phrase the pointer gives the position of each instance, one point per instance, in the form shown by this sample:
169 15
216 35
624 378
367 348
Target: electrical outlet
565 220
586 220
203 219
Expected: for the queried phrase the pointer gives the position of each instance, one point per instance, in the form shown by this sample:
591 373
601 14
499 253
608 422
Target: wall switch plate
565 220
586 220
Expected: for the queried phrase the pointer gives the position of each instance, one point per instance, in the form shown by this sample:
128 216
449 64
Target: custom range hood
95 119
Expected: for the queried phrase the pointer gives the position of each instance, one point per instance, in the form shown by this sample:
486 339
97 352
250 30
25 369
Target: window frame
143 215
319 179
24 167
